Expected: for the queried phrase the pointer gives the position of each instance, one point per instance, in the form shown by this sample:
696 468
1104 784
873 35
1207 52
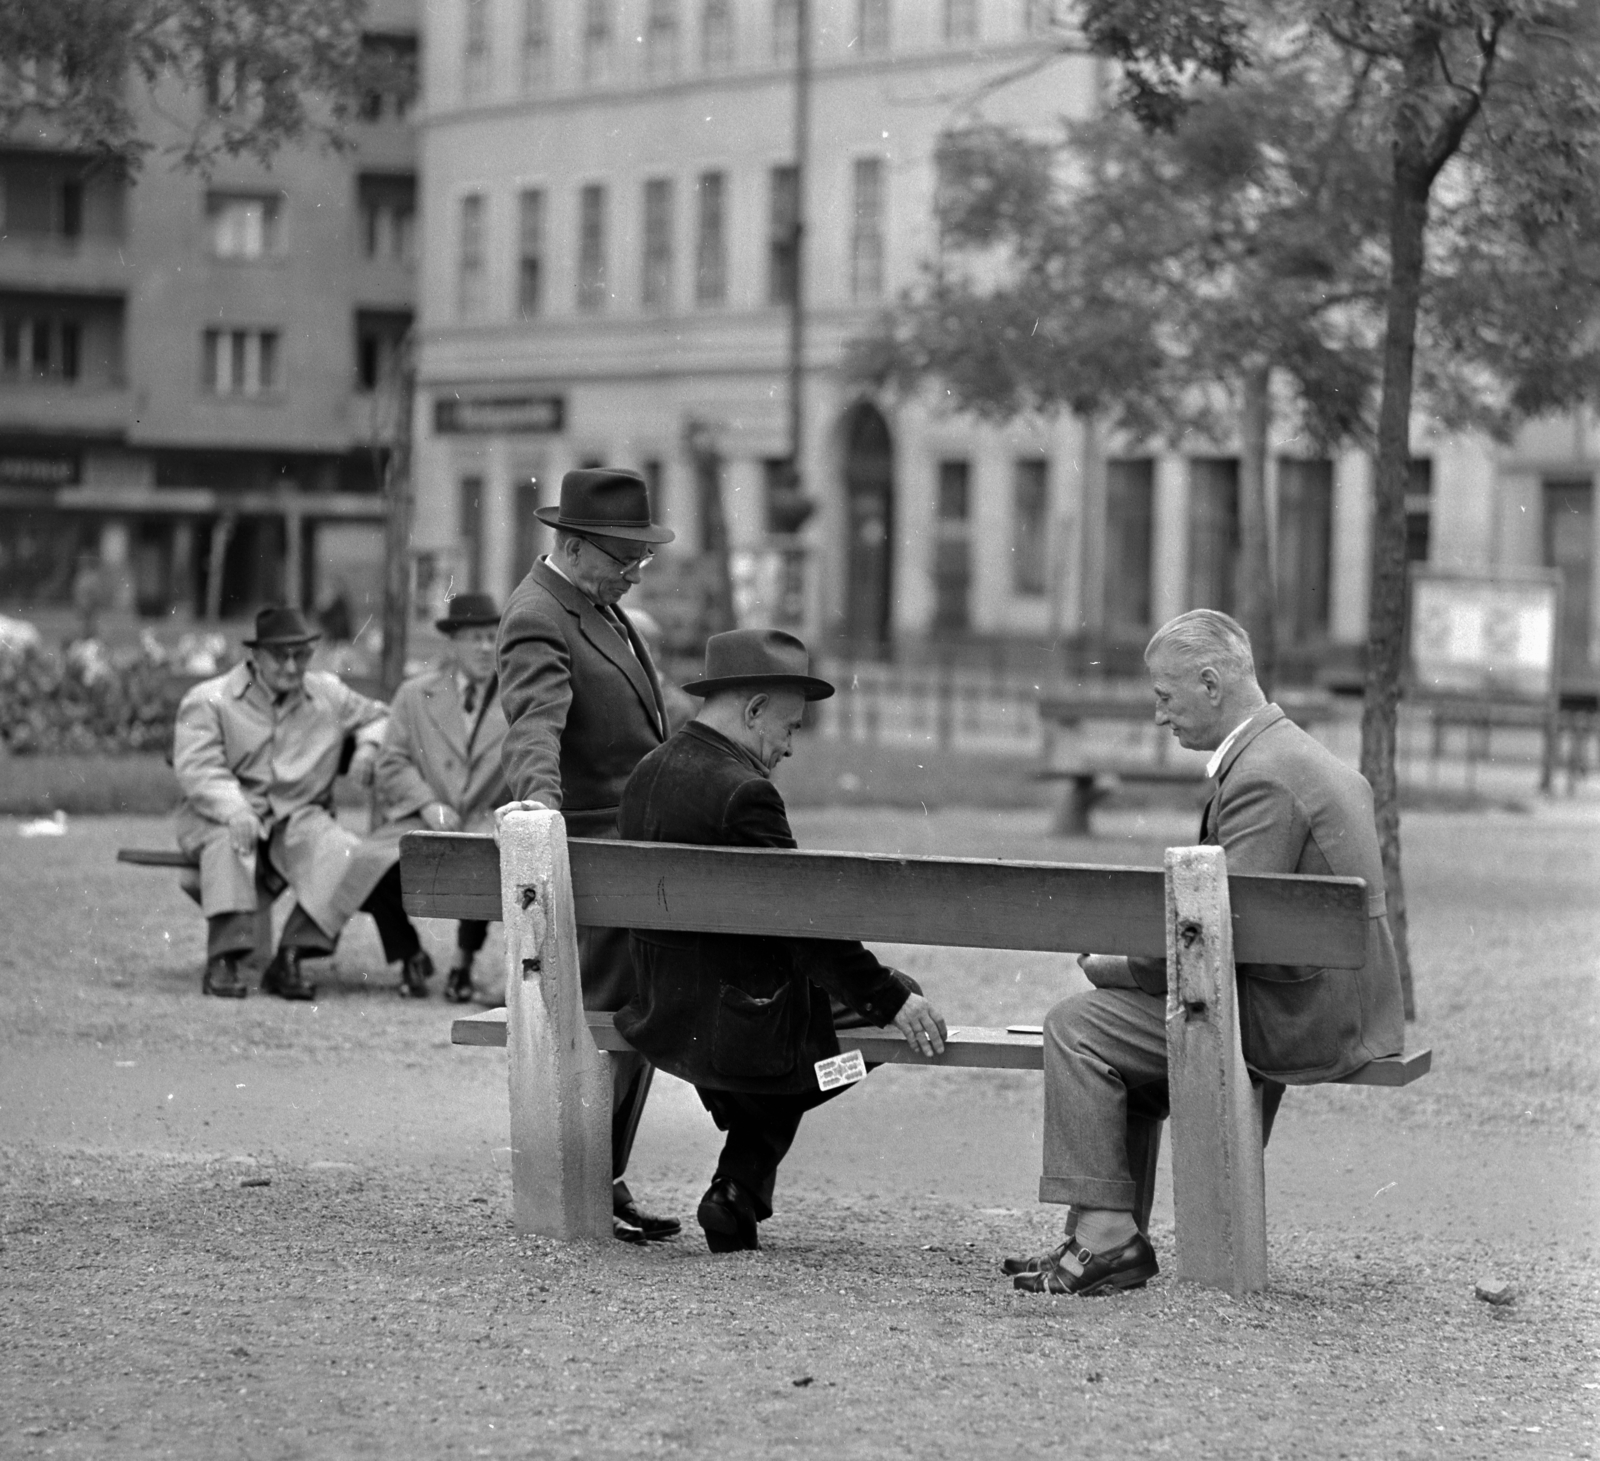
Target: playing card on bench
841 1070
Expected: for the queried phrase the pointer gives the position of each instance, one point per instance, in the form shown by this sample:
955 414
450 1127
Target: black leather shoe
415 973
652 1228
285 978
1033 1263
1072 1269
728 1217
625 1232
223 979
459 989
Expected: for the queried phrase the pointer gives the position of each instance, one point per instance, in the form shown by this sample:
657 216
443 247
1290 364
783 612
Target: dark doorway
869 549
1569 547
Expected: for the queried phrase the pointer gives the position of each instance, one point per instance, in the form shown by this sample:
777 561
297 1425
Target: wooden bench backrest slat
907 900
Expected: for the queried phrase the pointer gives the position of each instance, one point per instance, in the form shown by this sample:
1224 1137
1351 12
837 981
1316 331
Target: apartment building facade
195 371
609 190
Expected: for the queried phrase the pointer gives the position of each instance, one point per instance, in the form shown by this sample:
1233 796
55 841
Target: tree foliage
89 75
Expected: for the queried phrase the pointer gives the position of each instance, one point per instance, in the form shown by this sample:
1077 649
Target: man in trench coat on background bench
1283 803
583 706
256 752
745 1019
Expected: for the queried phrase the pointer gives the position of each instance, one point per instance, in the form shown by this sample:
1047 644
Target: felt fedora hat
468 611
605 502
280 625
753 658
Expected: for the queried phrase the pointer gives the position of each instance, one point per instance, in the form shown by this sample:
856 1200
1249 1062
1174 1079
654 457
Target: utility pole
398 501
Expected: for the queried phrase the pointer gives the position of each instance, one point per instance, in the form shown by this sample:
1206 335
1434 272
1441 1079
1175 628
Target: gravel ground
365 1295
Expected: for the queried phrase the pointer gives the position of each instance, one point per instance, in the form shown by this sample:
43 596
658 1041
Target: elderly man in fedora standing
440 768
256 752
743 1018
584 706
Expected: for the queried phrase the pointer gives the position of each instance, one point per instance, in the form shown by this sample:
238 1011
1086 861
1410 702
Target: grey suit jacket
583 708
1284 803
430 753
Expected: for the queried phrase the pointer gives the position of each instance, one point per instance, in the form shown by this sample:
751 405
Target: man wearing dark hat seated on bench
256 752
746 1019
439 769
584 704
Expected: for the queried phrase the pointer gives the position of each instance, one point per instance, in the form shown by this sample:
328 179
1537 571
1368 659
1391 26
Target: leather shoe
285 978
625 1232
459 989
414 975
223 979
728 1217
651 1227
1033 1263
1072 1269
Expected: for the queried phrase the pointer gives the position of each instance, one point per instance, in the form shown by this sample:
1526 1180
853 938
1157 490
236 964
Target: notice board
1487 636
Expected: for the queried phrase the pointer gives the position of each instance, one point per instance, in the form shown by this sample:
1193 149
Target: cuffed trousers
1105 1097
235 933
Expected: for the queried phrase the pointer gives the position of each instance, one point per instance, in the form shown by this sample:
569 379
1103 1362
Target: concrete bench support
1219 1184
560 1081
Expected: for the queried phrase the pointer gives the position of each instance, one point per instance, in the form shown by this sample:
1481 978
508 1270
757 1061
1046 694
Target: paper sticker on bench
841 1070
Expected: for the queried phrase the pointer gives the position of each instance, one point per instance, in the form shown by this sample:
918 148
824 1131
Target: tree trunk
1408 223
1256 595
398 501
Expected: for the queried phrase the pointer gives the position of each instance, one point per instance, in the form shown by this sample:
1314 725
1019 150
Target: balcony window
380 343
783 213
866 236
39 347
711 246
1030 527
656 290
470 263
244 226
240 363
388 217
592 248
530 252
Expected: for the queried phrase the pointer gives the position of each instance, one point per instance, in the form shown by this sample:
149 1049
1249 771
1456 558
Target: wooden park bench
542 886
189 880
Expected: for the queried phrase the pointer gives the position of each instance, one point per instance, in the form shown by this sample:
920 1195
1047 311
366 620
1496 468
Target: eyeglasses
300 655
642 561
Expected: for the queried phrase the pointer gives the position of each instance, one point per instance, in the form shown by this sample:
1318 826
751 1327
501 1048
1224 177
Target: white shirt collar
1226 746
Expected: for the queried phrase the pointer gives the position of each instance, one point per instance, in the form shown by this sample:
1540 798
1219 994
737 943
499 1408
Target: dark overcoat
1284 803
733 1012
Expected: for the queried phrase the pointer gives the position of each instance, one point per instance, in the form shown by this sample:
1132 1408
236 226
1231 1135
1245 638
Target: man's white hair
1206 637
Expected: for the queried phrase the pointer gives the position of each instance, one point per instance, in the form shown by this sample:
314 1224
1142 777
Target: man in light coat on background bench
439 769
1283 803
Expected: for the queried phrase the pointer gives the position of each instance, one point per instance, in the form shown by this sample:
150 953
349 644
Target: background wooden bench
189 880
1191 912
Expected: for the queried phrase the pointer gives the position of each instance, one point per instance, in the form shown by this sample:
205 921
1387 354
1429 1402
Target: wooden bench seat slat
884 899
977 1046
156 857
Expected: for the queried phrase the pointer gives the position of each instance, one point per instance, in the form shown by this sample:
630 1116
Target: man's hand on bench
922 1025
501 813
245 832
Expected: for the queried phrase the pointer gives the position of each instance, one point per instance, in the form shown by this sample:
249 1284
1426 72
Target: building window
596 40
650 469
783 215
872 26
785 31
866 234
960 20
1419 509
711 246
39 347
1305 549
1569 549
469 531
592 248
530 252
1213 532
661 39
242 226
716 35
390 63
952 548
470 265
536 47
475 60
380 339
240 362
39 200
1030 526
1130 542
388 217
656 286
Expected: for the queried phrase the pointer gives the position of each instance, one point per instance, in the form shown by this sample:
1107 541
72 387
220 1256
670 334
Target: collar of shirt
1227 743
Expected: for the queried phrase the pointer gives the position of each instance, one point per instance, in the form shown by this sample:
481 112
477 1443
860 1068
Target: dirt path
370 1299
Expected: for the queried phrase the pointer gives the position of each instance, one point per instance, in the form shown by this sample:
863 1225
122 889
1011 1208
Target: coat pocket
753 1039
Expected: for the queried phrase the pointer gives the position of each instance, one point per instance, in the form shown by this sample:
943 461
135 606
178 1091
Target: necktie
469 701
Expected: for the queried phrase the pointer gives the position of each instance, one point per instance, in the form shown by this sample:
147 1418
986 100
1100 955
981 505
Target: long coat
727 1011
235 749
431 754
1284 803
584 707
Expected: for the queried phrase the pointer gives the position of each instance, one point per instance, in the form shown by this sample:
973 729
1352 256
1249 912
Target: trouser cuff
230 933
1089 1192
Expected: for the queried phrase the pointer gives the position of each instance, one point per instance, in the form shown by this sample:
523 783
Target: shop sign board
508 412
1486 636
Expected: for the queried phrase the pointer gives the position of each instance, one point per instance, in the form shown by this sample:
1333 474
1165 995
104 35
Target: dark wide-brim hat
280 625
468 611
605 502
755 658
